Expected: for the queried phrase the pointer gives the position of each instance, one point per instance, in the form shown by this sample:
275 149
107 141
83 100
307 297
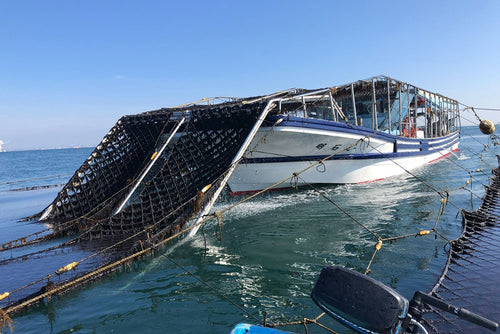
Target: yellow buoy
4 295
67 267
205 188
487 127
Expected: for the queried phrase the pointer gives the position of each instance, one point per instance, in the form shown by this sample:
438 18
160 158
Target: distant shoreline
47 149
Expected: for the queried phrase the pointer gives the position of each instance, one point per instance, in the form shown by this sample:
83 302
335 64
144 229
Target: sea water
270 253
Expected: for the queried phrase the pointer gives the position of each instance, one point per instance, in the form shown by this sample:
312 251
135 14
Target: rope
304 322
491 109
467 119
218 231
5 320
475 114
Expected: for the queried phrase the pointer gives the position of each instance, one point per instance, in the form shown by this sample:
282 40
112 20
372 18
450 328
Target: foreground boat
361 132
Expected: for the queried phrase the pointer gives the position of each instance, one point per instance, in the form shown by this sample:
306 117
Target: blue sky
70 69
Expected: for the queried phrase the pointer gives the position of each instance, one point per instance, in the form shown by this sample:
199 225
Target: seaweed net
149 178
472 276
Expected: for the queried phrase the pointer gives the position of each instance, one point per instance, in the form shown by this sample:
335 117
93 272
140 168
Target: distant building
1 146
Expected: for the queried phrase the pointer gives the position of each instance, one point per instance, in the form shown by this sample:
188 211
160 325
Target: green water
271 252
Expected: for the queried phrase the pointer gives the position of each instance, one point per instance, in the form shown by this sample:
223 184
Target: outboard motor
368 306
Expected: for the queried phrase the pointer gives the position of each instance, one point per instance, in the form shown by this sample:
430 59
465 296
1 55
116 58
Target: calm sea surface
271 252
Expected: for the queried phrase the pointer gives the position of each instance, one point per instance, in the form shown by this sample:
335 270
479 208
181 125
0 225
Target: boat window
292 108
320 110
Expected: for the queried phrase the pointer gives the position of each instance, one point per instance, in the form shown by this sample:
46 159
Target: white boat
360 132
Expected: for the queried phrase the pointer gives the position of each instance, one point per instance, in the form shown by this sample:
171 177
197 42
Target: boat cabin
382 104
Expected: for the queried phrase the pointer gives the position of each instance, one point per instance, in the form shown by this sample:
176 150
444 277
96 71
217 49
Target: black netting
199 153
142 184
472 275
111 166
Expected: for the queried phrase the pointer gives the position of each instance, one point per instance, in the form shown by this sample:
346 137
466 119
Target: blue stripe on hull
335 157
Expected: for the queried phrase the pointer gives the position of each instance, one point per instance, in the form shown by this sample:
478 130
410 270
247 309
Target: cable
419 325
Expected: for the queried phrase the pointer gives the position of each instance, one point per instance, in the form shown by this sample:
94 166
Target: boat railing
381 103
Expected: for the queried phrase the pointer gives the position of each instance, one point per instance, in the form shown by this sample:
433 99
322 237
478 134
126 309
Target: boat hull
348 154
